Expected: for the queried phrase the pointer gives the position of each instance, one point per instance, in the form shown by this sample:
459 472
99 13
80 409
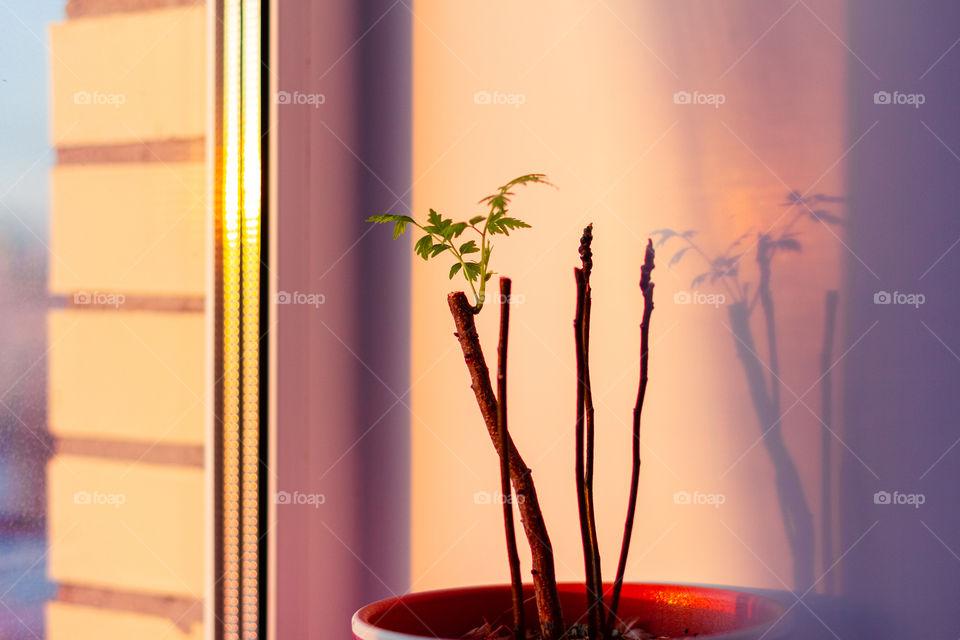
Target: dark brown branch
543 570
580 471
594 588
646 287
516 581
826 400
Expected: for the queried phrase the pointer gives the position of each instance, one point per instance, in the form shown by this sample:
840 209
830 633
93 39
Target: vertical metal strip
250 322
239 491
231 283
213 309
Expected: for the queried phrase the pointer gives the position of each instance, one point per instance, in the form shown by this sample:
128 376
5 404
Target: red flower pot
677 611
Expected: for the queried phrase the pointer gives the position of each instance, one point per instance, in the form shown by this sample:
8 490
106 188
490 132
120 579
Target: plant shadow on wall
763 377
600 611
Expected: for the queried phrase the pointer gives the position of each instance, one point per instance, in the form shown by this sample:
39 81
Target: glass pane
26 158
103 347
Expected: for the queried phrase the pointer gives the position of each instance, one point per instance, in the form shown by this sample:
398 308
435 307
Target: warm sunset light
262 263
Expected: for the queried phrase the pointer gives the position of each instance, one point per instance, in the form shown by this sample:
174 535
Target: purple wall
342 422
902 405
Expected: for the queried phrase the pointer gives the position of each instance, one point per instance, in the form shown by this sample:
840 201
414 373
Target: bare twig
516 581
595 579
541 551
580 471
646 286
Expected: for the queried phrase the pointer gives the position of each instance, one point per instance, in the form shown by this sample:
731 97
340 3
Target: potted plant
546 610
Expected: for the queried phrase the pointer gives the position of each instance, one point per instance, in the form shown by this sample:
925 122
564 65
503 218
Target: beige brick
126 77
135 228
73 622
135 375
125 525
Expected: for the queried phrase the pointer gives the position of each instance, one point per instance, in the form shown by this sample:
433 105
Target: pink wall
594 110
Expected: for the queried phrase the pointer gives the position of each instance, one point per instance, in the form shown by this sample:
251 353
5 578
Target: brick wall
128 348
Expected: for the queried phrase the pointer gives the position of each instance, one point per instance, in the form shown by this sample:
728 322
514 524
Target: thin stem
483 254
580 470
596 588
516 581
646 287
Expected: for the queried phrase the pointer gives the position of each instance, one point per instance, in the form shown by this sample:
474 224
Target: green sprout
443 235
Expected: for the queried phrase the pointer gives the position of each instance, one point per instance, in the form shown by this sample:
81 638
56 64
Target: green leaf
389 217
530 177
506 224
441 231
473 270
423 246
498 202
399 228
447 231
